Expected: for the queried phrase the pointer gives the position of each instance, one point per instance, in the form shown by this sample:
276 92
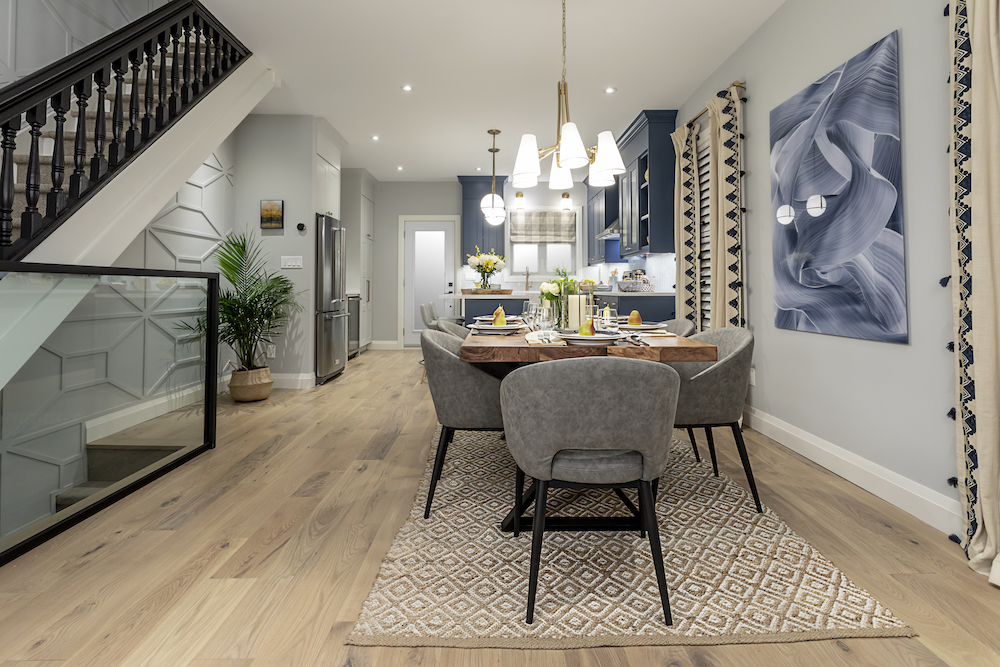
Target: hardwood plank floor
262 551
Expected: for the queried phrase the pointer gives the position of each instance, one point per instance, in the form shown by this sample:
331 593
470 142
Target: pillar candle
574 311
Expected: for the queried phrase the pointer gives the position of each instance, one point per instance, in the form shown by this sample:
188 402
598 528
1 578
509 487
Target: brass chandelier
569 152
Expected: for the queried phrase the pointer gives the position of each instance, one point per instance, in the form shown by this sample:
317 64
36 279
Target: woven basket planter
252 385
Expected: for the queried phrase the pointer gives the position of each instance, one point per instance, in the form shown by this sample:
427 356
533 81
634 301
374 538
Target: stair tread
79 492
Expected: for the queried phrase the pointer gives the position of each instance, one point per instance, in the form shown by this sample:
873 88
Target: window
541 241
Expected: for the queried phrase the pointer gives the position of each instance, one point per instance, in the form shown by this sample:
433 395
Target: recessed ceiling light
375 137
407 87
610 89
399 169
479 168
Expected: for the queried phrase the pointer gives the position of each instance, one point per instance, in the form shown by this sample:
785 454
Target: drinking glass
543 319
529 313
609 319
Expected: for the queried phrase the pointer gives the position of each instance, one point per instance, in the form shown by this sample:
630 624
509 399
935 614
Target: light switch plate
291 262
272 351
753 376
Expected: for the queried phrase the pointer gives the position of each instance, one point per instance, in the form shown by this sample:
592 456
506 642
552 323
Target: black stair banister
72 81
116 149
78 181
57 199
148 119
31 219
7 144
99 164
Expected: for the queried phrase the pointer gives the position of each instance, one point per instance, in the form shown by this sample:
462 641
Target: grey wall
274 158
34 34
394 200
884 402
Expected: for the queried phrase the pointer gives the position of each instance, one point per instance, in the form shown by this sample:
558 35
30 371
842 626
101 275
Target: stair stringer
105 226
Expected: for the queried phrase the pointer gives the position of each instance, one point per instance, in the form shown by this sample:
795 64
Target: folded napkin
658 334
534 338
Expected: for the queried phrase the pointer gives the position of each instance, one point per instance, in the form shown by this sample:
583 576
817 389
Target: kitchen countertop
534 295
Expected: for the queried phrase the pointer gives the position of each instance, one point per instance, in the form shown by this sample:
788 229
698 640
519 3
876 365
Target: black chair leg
643 510
537 528
446 435
694 445
711 450
740 445
518 499
656 488
649 514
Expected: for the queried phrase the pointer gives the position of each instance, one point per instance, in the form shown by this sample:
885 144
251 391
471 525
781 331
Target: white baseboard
386 345
294 380
934 508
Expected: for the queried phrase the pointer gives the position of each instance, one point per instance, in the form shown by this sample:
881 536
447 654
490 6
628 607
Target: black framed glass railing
105 385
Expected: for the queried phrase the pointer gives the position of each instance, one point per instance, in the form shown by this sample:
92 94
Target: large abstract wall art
836 202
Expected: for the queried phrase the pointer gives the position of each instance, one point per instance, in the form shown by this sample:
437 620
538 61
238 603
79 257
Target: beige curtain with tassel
687 228
726 209
976 274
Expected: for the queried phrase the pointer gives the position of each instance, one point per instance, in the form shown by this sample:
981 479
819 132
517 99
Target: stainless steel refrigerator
331 299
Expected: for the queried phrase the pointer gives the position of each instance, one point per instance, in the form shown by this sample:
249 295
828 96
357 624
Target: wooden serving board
487 291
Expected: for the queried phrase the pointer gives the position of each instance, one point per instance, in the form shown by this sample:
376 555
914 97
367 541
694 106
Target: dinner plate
489 328
595 340
639 327
489 318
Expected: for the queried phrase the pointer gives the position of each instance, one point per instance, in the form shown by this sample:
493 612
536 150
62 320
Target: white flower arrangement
486 264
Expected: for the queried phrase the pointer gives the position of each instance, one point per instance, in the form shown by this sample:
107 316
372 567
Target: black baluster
56 199
133 138
217 67
186 86
116 149
226 49
162 114
149 120
196 74
7 144
175 79
31 219
78 182
98 163
206 79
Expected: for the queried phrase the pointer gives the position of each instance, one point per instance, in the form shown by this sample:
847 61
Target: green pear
587 328
634 317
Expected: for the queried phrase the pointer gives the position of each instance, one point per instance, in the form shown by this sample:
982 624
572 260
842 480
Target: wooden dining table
514 348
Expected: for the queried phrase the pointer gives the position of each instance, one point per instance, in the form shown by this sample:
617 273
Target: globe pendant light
569 151
492 204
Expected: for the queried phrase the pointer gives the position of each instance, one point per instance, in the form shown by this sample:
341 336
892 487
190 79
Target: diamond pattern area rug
735 576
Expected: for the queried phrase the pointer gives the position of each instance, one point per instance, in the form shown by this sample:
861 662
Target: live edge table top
487 349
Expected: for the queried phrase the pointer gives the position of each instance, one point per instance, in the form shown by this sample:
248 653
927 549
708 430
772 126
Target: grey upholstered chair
681 327
430 322
465 397
604 448
438 318
713 393
453 329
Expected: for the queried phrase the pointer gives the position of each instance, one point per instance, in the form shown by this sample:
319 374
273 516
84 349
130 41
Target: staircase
68 130
108 463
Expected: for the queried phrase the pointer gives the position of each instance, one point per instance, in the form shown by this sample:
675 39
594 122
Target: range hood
611 233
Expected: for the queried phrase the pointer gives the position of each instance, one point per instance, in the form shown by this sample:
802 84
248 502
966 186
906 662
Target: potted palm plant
251 313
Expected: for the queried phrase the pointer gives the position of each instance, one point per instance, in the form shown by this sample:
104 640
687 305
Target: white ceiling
476 65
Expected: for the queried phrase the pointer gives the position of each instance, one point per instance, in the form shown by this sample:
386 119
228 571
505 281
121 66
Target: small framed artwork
272 214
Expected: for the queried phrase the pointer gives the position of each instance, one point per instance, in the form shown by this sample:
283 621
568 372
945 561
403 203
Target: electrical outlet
753 376
291 262
272 351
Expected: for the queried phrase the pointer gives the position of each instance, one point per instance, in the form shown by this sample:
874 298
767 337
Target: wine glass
529 312
543 319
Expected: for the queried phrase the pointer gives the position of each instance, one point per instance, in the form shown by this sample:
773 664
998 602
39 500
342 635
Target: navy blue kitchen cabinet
475 231
602 213
646 189
651 308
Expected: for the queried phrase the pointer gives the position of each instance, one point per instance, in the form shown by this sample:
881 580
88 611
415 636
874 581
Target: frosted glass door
429 273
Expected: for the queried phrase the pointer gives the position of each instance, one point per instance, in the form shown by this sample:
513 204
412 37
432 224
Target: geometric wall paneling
33 386
196 242
122 366
85 369
7 22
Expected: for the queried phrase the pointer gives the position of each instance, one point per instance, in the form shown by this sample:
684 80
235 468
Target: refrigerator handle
369 286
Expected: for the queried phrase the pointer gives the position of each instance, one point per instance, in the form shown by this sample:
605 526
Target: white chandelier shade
527 167
560 177
599 179
608 158
572 153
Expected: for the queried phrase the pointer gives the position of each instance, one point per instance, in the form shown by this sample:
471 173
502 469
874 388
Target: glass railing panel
103 384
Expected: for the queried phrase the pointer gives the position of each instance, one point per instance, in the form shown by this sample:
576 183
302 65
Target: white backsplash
661 270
